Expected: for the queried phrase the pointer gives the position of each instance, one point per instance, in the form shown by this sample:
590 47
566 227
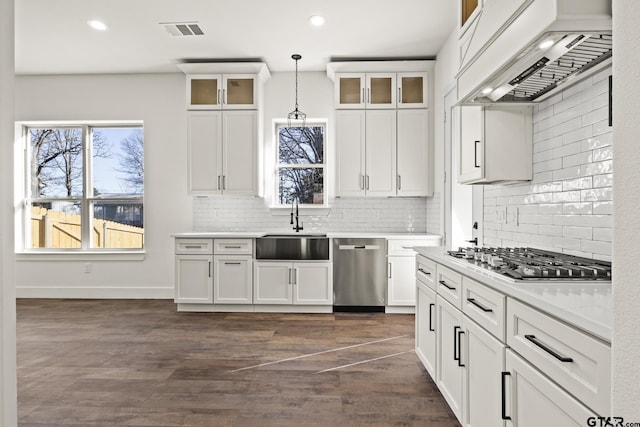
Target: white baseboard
95 293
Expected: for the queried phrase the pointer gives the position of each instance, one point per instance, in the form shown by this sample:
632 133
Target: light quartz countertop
585 305
332 234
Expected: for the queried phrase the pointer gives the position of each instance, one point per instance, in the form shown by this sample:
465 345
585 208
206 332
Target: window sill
80 256
302 211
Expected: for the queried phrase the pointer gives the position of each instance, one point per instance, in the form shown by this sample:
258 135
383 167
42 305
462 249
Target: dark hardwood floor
141 363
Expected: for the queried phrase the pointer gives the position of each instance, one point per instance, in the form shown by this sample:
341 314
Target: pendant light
296 115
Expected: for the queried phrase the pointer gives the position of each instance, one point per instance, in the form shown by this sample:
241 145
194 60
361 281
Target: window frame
87 199
282 123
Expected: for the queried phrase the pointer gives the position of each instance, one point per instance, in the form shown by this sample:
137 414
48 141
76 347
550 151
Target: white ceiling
52 36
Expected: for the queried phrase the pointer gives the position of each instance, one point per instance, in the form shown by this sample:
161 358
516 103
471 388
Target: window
85 187
300 164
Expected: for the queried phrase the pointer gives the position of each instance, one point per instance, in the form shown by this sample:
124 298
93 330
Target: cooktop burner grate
536 264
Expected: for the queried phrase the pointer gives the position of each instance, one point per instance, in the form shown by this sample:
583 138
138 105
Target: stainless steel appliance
359 274
306 247
536 264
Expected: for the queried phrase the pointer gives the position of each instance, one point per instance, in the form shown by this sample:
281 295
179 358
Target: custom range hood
541 46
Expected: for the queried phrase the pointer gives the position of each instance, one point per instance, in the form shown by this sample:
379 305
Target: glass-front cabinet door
204 92
239 91
217 91
381 90
412 90
349 90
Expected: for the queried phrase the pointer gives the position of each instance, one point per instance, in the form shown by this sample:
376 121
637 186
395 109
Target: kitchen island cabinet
526 353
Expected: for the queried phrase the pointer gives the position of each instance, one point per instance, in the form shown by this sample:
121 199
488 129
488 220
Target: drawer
485 306
449 285
426 271
194 246
233 246
397 247
576 361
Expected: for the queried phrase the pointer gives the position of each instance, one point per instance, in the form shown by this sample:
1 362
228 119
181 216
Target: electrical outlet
87 268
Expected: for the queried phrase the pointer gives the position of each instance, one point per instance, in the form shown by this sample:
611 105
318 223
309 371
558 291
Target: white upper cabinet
495 144
222 91
413 90
413 154
364 90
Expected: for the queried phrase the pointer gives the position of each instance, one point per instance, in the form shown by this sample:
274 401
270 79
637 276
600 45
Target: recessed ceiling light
545 44
316 20
97 25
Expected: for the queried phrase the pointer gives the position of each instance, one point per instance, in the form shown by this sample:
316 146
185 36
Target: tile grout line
318 353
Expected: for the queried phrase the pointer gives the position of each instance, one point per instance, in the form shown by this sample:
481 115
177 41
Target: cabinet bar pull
362 182
443 283
548 349
218 97
364 101
367 181
289 280
209 268
456 355
232 263
224 182
389 270
399 182
503 411
224 96
480 306
431 328
460 364
232 247
475 154
193 247
424 271
369 96
399 95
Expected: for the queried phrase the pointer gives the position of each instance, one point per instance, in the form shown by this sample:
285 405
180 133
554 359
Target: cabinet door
240 165
350 156
204 92
414 168
470 166
205 152
380 91
483 358
272 283
239 91
350 90
194 281
426 328
312 283
413 90
532 400
401 285
380 153
233 280
449 369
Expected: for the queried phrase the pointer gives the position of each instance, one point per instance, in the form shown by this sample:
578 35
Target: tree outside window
300 168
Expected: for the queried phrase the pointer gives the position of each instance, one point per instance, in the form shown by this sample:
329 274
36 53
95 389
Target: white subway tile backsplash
567 206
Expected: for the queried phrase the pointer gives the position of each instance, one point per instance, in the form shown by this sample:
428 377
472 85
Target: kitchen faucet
297 227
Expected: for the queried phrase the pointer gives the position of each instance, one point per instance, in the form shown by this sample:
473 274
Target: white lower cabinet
233 279
449 368
401 282
426 327
533 400
483 358
302 283
194 279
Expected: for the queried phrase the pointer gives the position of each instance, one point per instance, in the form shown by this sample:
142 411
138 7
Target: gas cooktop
535 264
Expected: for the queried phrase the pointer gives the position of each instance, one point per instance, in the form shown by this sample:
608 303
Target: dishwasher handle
358 247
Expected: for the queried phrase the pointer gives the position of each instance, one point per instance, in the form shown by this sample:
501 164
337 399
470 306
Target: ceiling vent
182 28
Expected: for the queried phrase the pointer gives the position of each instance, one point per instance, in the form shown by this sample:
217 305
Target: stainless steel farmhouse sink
308 247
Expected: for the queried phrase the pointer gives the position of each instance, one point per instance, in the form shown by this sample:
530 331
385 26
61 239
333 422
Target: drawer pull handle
232 247
480 306
548 349
504 396
232 263
456 355
431 328
443 283
193 246
424 271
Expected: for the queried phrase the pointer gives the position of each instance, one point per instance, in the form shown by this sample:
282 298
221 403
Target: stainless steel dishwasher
359 274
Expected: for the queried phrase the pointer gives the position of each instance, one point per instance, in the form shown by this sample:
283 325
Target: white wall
8 393
567 206
158 100
626 225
